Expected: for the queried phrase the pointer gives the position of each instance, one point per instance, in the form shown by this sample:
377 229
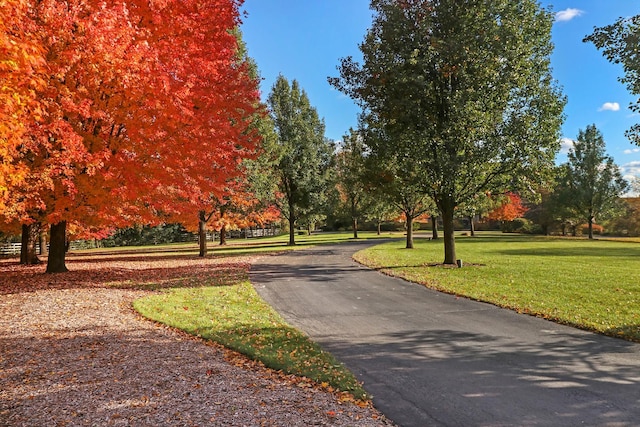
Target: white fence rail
9 249
13 249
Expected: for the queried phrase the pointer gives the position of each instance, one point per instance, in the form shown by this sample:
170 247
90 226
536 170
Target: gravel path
80 356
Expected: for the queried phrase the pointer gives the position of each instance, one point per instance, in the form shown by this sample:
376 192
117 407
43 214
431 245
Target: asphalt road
431 359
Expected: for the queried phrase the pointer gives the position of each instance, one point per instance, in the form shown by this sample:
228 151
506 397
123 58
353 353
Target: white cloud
566 144
632 150
610 106
631 168
568 14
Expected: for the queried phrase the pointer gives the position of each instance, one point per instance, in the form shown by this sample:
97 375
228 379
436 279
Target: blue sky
305 39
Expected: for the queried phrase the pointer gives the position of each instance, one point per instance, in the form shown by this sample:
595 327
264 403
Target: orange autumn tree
136 101
226 121
510 208
21 63
65 139
236 207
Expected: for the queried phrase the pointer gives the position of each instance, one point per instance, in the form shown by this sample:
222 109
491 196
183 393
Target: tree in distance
595 181
462 92
398 184
351 178
301 154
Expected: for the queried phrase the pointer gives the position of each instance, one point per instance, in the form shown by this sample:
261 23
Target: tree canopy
464 91
595 182
619 44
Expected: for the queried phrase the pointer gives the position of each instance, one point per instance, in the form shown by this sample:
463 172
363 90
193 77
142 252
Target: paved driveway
431 359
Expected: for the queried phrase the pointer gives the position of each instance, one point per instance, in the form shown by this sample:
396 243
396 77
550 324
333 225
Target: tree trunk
30 236
44 250
223 235
447 211
409 225
379 227
202 233
57 248
355 227
434 227
591 227
292 225
472 228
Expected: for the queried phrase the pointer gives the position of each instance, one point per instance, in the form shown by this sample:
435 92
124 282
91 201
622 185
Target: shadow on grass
631 332
582 251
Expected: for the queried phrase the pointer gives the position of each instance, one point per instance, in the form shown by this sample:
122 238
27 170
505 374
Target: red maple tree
135 109
510 209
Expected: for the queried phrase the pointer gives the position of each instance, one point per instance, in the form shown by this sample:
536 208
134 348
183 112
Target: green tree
552 211
619 44
595 181
399 185
301 153
463 90
478 205
351 177
380 210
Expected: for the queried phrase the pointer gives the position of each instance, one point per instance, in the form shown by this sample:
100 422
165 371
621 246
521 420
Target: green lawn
593 285
234 247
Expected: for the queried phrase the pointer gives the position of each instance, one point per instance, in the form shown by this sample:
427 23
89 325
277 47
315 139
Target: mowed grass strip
594 285
235 316
223 307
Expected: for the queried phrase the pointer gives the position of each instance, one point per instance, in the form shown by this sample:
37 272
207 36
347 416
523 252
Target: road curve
431 359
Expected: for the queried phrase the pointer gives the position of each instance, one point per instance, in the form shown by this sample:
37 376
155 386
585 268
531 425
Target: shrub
518 225
597 229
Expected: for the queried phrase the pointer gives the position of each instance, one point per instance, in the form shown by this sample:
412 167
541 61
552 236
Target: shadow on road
532 383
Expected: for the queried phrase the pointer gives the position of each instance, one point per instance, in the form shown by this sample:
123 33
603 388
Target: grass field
594 285
234 247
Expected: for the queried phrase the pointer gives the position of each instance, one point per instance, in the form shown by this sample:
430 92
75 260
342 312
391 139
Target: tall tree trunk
379 227
292 225
202 233
30 236
409 225
472 227
223 234
434 227
591 227
57 248
355 227
44 250
447 210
